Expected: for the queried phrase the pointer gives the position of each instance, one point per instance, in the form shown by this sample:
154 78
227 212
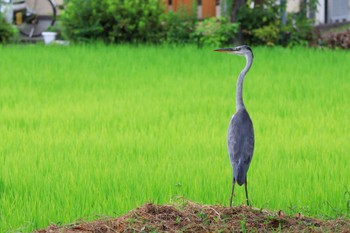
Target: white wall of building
321 12
293 6
339 11
336 10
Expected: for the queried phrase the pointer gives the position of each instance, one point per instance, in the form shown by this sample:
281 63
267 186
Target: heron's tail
240 173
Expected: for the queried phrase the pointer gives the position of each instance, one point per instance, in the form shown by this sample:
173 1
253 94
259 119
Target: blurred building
205 8
328 11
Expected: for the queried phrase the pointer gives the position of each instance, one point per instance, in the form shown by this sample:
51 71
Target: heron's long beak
225 50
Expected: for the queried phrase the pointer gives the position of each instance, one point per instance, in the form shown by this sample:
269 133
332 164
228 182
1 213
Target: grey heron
240 138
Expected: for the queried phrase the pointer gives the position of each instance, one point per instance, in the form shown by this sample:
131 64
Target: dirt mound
192 217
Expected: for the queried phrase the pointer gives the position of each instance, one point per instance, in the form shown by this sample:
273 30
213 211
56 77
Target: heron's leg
246 191
233 188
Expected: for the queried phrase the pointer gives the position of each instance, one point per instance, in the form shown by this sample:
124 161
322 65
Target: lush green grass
96 130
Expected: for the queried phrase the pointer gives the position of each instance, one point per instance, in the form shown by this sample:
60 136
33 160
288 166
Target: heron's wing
241 139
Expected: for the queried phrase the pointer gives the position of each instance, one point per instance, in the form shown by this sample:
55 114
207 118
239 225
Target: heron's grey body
240 139
240 143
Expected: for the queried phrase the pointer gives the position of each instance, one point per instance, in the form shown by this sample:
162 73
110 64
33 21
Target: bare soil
192 217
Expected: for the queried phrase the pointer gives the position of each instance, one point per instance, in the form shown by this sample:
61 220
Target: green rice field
93 131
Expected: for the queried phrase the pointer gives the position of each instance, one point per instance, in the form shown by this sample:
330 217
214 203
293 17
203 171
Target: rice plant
92 131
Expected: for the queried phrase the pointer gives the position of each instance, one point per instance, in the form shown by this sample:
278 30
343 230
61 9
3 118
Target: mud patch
193 217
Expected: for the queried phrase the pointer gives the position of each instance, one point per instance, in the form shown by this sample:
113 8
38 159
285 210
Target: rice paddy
92 131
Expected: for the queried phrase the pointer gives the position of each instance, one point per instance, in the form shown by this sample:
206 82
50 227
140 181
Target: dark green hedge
113 21
6 31
140 21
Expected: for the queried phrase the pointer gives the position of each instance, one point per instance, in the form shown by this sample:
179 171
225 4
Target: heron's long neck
239 94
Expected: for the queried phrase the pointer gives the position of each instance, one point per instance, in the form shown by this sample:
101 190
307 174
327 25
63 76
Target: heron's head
242 50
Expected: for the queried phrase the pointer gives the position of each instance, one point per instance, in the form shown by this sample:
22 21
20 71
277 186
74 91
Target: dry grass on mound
192 217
